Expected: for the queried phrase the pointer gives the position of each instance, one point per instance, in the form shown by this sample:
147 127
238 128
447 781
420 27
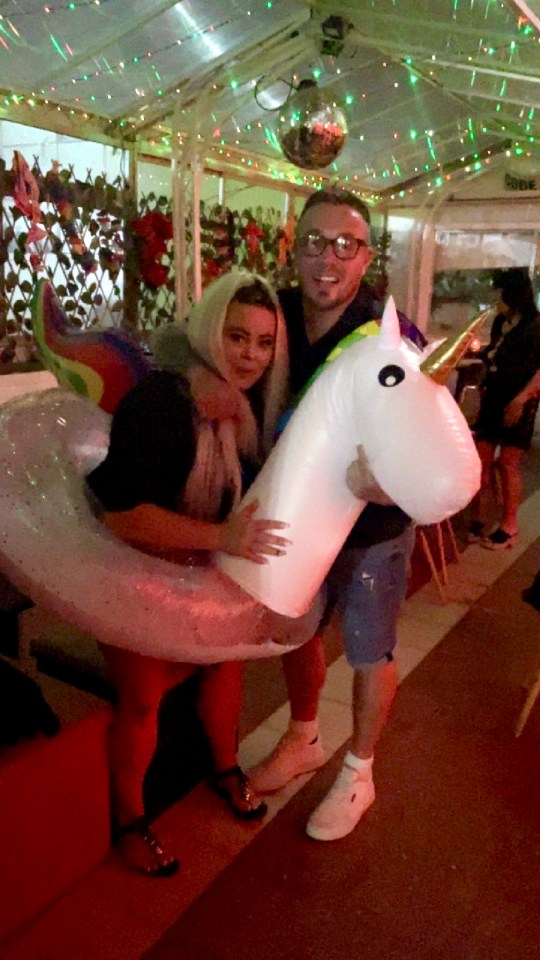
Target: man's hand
242 536
363 484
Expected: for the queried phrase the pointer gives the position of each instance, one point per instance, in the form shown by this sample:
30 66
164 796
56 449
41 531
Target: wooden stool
534 690
440 579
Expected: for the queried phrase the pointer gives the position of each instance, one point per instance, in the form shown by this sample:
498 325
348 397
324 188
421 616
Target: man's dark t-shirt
375 524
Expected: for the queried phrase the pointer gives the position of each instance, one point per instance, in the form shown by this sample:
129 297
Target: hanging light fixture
311 131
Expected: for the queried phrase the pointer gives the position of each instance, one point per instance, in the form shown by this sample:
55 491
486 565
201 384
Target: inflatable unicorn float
374 395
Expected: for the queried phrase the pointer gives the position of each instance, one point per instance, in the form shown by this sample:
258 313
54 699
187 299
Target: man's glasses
345 247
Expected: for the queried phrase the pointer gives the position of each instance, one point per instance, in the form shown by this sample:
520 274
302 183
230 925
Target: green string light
57 47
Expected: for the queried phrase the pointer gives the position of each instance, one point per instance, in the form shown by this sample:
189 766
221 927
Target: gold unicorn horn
444 359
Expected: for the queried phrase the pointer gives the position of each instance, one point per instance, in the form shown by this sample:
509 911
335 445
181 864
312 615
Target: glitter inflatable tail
56 551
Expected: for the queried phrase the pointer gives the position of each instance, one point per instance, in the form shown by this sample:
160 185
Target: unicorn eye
391 375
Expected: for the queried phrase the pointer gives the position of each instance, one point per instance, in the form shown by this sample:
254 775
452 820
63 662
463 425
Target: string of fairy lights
242 145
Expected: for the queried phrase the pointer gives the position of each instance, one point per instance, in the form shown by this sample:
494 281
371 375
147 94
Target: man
332 254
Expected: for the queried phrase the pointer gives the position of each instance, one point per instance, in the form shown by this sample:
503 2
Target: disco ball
311 131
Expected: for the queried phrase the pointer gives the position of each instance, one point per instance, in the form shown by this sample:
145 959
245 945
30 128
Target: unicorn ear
390 331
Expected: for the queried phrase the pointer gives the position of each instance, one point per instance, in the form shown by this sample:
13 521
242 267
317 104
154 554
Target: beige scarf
224 425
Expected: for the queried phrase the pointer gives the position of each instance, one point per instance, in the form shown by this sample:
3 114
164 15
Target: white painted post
425 277
196 174
179 220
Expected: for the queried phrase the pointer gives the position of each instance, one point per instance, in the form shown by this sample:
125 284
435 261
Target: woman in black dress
510 394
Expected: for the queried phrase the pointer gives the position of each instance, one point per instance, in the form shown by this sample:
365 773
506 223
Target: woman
510 392
174 470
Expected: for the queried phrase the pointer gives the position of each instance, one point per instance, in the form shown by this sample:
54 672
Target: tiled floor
115 914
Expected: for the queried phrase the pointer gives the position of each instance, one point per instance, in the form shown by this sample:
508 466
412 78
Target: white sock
358 768
306 729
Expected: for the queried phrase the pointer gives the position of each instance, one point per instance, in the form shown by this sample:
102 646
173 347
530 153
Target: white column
425 276
179 221
196 174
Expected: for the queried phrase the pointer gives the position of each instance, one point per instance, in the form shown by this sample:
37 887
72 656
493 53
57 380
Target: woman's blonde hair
218 443
204 330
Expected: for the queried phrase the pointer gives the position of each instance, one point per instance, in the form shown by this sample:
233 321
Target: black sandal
141 850
235 788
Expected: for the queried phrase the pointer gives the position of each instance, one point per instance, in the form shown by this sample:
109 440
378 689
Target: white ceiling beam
500 72
472 94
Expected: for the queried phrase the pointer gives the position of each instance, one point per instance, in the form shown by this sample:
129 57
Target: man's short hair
338 198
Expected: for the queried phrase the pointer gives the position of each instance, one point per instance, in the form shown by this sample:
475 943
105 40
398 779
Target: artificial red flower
152 230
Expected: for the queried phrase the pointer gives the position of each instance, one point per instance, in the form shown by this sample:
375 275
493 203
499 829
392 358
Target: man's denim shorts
368 586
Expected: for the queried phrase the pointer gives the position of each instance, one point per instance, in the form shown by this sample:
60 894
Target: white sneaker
342 808
292 756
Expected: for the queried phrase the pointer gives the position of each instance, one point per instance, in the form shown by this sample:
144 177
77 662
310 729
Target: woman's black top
152 446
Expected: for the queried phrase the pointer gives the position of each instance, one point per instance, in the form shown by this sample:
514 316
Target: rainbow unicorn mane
102 365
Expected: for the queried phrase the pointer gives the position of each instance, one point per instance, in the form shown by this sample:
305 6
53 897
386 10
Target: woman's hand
242 536
513 411
515 408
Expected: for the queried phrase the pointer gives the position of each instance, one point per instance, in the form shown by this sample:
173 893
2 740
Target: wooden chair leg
442 554
432 565
452 539
528 705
